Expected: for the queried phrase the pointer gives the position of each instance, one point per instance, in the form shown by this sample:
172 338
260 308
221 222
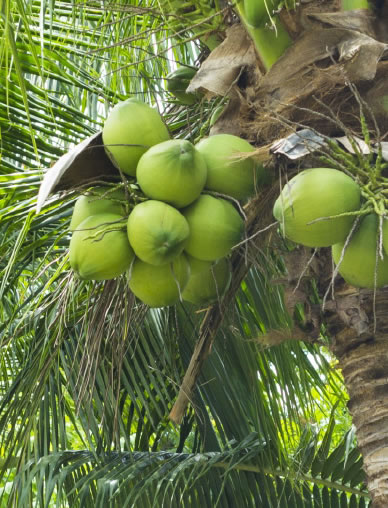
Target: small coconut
172 171
177 81
130 129
215 227
157 232
216 114
208 280
359 262
229 171
314 194
96 201
159 286
99 247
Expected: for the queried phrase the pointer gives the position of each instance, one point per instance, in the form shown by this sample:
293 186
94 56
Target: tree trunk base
358 323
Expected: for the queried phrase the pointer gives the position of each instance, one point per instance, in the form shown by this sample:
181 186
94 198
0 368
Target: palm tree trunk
300 91
358 323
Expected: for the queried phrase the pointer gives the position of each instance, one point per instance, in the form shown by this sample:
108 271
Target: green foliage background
87 375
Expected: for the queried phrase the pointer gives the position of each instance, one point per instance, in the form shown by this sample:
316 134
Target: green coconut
216 114
229 171
99 248
172 171
385 235
96 201
215 227
159 286
157 232
130 129
208 280
359 262
313 194
177 82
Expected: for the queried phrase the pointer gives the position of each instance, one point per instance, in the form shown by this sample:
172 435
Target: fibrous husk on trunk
311 77
231 67
357 321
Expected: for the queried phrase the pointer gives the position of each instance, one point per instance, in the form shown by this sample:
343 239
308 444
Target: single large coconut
99 248
159 286
359 262
157 232
96 201
229 171
215 227
130 129
314 194
172 171
208 280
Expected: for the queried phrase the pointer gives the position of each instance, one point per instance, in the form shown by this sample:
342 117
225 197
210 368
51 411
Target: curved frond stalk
270 41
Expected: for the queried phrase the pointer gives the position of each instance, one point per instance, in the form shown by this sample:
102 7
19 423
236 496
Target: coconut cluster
324 207
175 232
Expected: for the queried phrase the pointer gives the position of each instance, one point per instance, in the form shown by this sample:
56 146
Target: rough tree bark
358 323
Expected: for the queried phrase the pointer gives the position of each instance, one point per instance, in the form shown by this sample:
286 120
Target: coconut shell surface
99 200
313 195
159 286
208 281
157 232
228 171
173 171
359 258
99 248
177 82
130 129
215 227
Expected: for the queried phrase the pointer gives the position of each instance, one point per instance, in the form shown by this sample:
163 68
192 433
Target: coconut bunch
177 229
324 207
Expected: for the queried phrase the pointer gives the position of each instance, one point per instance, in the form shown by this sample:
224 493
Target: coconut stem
270 41
352 5
345 214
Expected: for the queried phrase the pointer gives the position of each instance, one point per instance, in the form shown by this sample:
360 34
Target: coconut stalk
270 41
352 5
259 211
